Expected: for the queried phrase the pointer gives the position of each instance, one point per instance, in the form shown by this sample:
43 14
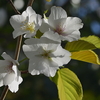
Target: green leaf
85 43
86 56
68 84
92 39
79 45
38 34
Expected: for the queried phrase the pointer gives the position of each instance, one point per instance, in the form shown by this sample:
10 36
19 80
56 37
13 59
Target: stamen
45 54
59 30
28 26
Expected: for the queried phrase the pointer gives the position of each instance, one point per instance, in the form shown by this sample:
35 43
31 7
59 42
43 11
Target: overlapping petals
9 74
58 22
45 56
27 23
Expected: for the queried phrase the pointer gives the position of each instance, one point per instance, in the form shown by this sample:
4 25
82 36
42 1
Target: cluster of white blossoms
45 54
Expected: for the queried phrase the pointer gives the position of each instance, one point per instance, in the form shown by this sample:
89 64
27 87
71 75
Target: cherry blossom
9 74
45 56
58 22
27 23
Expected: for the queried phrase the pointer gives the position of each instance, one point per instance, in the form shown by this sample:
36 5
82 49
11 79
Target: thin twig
18 46
12 5
30 2
24 72
4 93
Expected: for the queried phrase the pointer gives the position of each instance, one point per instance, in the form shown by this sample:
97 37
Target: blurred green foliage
40 87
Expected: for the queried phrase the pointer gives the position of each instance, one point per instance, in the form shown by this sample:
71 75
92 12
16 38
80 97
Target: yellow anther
28 27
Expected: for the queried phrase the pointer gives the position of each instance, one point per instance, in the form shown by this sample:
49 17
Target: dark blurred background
40 87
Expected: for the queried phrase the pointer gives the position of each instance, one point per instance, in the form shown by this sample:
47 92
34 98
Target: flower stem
4 93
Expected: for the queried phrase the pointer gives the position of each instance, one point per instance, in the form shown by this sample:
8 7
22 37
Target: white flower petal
9 78
71 37
42 66
42 41
38 21
51 47
31 41
62 56
57 13
19 78
56 24
52 72
51 35
9 59
45 27
30 50
16 21
28 12
1 79
35 66
29 35
61 61
61 52
6 56
4 66
14 86
16 71
72 24
17 33
50 68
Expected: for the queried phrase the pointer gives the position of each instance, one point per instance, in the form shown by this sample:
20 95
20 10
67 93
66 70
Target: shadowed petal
9 77
14 86
71 37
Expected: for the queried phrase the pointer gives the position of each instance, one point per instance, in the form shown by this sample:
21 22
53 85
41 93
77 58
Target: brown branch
24 72
4 93
30 2
19 40
12 5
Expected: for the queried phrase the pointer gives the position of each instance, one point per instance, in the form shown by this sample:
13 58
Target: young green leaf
85 43
38 34
92 39
68 84
86 56
79 45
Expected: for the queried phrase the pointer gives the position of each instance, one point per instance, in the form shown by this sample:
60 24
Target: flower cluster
45 54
